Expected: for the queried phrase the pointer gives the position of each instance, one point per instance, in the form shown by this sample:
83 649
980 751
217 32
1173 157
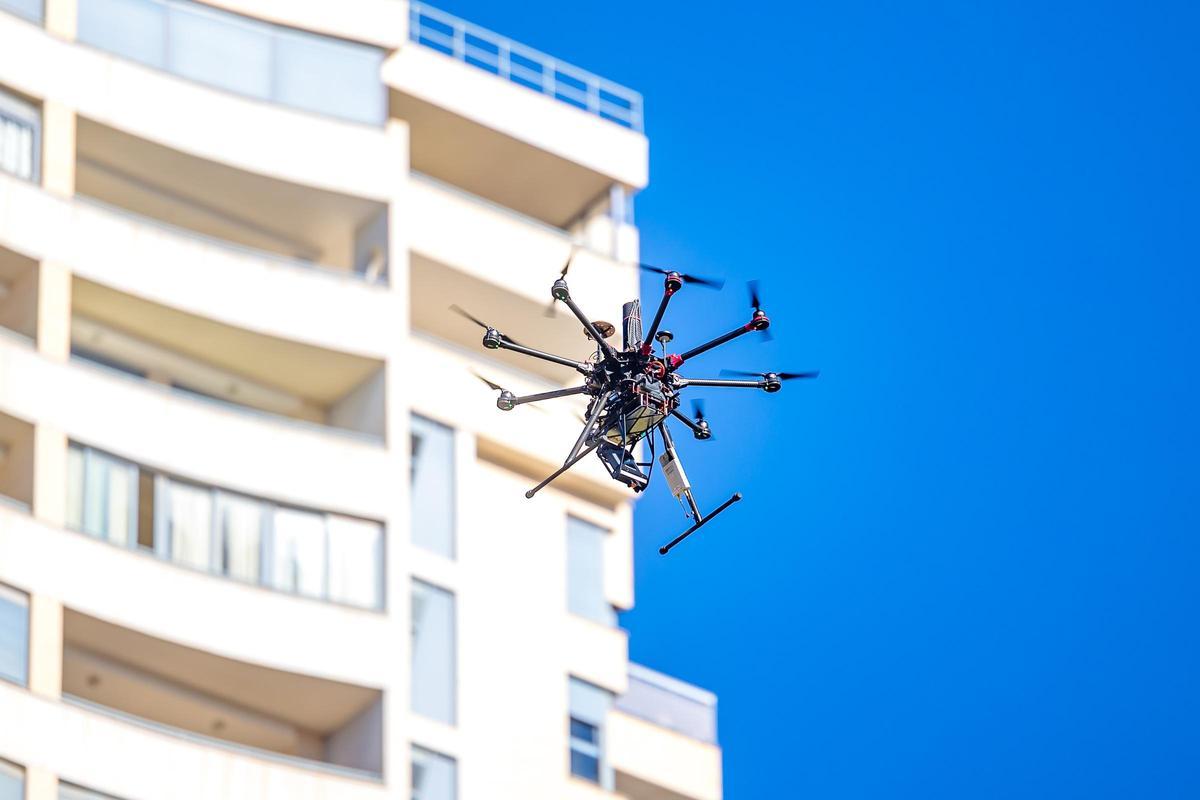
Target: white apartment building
263 531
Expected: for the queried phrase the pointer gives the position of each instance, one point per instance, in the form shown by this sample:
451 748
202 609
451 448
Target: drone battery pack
673 470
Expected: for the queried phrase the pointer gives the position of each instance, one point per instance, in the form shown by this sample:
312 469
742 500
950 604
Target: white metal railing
524 66
671 703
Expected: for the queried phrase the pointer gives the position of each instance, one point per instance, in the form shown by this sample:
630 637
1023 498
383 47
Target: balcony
128 758
135 588
511 124
217 362
662 740
198 118
16 462
185 433
300 224
293 715
241 55
182 269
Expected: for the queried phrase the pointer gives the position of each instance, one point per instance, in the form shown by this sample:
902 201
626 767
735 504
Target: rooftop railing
523 65
671 703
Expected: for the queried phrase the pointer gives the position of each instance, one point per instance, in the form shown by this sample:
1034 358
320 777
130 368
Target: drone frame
593 436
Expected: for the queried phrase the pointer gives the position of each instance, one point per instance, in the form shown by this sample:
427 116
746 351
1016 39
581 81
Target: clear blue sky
967 562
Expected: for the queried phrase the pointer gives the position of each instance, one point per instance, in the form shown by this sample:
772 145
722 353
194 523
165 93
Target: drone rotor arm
534 398
720 383
696 429
560 292
509 344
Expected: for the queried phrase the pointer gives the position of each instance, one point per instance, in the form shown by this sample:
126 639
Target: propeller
698 410
495 386
551 312
699 280
698 416
783 376
752 287
459 310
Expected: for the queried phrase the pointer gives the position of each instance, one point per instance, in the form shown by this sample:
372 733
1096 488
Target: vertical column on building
396 754
50 443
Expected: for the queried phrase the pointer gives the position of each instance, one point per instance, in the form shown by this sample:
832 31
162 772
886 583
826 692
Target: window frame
17 597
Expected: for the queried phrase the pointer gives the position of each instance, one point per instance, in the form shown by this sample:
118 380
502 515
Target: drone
633 391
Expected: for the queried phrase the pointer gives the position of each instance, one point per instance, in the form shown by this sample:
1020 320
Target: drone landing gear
701 521
677 479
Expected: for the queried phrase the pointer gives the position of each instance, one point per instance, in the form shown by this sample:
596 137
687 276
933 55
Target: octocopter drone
633 391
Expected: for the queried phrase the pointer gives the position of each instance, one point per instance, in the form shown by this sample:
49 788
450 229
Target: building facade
263 531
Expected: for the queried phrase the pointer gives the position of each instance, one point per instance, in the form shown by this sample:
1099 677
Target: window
433 668
20 136
240 522
12 781
243 55
298 552
14 636
102 495
433 486
189 514
327 556
585 572
433 775
355 561
588 710
29 9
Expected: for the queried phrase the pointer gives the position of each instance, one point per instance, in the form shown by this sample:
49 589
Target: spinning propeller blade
783 376
699 280
489 383
551 312
698 410
752 287
459 310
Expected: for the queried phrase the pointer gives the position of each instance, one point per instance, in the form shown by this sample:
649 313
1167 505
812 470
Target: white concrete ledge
655 755
206 441
143 762
226 283
383 23
520 113
499 246
137 590
289 145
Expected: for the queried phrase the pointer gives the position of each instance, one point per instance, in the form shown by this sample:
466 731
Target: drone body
633 392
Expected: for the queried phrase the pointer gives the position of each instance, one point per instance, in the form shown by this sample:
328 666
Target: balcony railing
523 65
671 703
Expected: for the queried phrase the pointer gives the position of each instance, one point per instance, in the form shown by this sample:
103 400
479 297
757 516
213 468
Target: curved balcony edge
112 583
126 758
211 442
196 119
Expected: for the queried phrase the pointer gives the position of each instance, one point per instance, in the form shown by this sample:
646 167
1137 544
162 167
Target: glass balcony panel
135 29
207 48
355 559
298 557
329 76
31 10
242 55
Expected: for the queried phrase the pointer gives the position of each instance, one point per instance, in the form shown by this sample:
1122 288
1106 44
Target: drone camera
507 401
491 339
